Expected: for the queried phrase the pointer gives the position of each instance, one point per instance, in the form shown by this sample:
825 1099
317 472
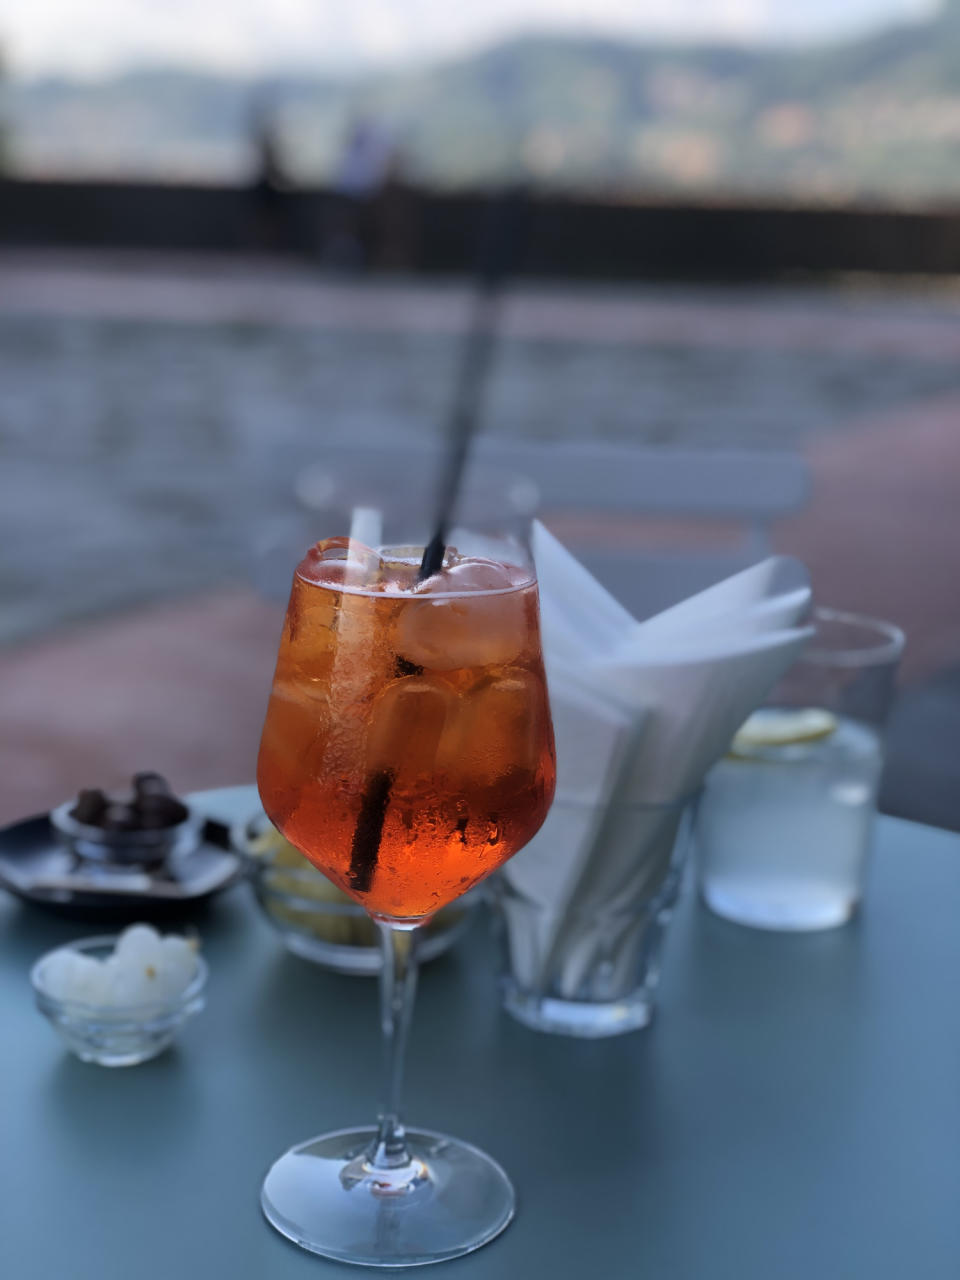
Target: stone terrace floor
154 410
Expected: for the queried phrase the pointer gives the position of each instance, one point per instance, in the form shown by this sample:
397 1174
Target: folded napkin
641 711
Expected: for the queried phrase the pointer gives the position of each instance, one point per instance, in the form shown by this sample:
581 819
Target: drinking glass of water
784 823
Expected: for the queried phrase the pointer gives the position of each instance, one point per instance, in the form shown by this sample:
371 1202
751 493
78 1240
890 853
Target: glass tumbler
784 823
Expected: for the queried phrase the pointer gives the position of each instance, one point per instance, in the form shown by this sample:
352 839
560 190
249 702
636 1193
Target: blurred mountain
876 117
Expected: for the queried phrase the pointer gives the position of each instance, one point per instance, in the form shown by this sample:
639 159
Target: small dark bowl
146 849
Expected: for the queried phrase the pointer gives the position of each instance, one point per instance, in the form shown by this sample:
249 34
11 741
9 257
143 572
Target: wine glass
407 752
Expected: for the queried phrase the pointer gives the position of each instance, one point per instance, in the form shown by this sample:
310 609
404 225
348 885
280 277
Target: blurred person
271 184
397 219
365 167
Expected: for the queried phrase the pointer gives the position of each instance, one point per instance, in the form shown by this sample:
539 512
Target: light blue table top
793 1113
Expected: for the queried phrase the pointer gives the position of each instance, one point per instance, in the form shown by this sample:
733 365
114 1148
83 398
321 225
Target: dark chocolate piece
158 811
119 817
90 807
150 784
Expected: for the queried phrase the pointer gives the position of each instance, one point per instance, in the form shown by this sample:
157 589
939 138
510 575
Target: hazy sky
90 36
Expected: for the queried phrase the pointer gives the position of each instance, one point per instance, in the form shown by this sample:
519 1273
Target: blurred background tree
854 117
4 126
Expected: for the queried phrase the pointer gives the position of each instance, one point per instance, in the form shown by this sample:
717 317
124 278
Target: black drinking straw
369 830
499 244
498 248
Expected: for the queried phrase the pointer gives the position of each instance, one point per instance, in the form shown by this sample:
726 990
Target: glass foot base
324 1196
587 1019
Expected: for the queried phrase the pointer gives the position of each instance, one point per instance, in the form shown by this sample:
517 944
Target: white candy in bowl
120 1000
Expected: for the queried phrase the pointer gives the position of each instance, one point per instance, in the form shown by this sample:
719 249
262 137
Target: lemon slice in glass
782 727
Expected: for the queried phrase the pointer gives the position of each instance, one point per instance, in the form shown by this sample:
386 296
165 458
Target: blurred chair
654 525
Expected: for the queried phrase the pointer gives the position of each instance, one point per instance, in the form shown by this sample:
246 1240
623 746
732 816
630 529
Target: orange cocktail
407 749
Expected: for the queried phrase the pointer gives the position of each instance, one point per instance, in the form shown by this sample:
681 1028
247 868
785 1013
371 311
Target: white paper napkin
641 711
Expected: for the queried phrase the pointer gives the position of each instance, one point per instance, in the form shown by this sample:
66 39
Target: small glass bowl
319 922
146 848
116 1036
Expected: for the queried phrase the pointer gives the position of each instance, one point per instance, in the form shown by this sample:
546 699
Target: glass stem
398 985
